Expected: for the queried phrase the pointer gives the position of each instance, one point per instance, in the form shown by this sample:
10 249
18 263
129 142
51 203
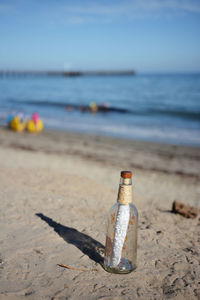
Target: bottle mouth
126 174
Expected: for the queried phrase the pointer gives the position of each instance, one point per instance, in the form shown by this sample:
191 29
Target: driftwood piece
184 210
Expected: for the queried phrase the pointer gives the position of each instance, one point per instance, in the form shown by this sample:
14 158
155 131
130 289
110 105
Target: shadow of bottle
89 246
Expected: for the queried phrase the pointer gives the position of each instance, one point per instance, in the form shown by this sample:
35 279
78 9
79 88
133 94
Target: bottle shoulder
114 207
134 209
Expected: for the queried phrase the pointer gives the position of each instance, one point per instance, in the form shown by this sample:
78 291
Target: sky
144 35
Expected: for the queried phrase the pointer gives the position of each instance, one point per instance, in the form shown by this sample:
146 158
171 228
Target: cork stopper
126 174
125 188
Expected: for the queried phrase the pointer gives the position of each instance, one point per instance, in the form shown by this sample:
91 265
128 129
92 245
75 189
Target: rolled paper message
121 226
122 219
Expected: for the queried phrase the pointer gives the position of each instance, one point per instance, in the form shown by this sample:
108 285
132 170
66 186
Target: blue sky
145 35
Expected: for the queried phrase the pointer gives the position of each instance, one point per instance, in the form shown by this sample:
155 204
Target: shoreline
81 144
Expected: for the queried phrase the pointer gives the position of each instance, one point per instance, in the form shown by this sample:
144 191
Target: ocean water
160 108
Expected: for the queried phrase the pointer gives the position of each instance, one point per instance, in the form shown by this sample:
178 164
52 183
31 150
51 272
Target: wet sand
56 189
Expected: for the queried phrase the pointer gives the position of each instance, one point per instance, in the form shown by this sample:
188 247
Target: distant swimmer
69 108
93 107
104 107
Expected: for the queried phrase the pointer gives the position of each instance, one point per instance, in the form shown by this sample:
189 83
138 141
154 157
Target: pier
17 73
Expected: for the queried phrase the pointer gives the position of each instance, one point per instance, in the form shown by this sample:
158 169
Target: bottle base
120 269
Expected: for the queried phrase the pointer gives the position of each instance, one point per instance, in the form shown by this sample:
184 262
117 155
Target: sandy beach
56 189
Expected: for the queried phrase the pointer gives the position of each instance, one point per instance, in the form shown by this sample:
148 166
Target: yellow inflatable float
16 125
35 124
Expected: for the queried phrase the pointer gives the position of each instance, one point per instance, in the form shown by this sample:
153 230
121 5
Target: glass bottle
121 239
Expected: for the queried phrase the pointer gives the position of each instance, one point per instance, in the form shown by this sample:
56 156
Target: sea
162 108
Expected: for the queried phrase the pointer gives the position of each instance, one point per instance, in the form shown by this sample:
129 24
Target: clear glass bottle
121 239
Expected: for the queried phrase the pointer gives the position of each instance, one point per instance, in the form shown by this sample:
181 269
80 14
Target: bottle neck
126 181
125 191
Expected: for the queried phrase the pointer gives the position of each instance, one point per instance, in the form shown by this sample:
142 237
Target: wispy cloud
108 12
184 5
92 11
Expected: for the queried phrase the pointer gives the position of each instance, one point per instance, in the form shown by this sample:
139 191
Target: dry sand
55 191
